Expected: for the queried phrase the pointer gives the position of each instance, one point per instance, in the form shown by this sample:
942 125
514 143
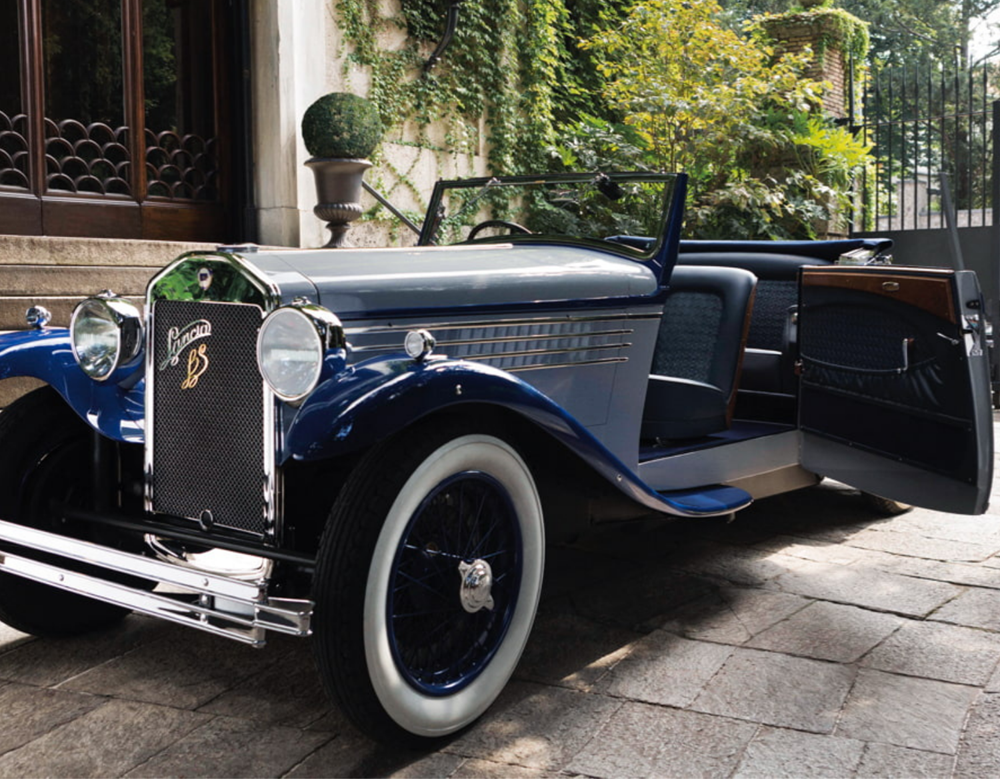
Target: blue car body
543 350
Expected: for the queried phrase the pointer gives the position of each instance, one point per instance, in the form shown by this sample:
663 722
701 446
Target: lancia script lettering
179 338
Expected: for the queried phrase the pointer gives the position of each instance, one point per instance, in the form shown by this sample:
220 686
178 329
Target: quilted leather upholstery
698 352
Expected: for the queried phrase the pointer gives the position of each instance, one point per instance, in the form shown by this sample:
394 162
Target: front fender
116 410
375 399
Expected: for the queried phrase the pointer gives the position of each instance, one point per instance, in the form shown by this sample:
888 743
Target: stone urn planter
340 130
338 193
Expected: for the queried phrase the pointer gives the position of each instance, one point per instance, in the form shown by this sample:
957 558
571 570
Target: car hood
357 283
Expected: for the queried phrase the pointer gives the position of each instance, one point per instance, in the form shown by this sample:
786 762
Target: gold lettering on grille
197 365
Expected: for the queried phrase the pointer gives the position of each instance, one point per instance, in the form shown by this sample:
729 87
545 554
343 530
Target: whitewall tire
450 527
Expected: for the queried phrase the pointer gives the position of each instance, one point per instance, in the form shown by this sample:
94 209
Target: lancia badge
204 278
197 364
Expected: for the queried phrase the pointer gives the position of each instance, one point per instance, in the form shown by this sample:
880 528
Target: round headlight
291 346
105 333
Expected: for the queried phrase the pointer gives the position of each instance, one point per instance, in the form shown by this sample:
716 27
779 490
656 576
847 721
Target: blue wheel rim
437 646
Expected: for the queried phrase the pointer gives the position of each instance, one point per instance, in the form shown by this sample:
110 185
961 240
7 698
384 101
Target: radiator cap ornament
38 317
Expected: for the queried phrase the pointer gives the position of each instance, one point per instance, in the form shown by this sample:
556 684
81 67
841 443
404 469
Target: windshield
623 211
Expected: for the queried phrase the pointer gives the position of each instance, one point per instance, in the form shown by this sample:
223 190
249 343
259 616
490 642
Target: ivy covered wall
511 74
531 85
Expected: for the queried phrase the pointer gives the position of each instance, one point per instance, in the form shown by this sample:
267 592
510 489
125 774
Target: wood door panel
20 214
86 218
930 292
196 222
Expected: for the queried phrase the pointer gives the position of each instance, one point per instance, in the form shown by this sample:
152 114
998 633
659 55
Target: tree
723 106
904 32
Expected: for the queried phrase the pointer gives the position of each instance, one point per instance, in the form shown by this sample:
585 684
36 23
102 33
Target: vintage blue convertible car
371 446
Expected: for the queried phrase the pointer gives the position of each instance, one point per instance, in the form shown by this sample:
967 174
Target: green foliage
513 72
478 76
654 85
739 118
831 154
909 32
341 125
684 106
597 208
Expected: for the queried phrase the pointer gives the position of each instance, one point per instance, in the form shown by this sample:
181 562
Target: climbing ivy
513 69
542 84
830 27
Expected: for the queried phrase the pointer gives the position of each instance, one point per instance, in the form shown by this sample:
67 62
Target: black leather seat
767 366
698 353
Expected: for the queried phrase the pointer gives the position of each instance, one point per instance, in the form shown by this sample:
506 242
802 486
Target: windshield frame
673 187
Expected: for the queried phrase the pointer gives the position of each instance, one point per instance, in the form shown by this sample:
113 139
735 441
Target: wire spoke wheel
455 583
427 582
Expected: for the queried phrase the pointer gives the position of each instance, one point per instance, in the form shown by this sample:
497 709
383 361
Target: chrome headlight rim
323 325
128 332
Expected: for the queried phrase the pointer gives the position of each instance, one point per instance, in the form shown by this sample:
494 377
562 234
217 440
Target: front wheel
427 582
45 459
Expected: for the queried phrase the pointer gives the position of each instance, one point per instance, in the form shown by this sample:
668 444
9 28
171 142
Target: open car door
894 391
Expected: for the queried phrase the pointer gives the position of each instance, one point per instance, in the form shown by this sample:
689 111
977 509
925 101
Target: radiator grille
209 450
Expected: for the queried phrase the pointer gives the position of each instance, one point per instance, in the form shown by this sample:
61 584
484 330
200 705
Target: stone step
12 308
49 250
73 280
59 272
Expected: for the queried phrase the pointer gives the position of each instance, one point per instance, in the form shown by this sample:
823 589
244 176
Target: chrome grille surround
174 484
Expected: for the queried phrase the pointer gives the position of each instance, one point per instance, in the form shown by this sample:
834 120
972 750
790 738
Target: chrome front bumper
223 605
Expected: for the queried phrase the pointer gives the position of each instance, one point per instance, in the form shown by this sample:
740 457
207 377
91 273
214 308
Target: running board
222 605
710 501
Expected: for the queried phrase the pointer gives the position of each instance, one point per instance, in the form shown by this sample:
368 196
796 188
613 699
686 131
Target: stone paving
807 638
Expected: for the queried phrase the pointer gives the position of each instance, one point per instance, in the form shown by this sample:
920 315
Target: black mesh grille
208 434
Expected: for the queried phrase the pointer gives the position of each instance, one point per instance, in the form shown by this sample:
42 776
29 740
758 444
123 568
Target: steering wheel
514 227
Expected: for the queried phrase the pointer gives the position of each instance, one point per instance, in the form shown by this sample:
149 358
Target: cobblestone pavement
807 638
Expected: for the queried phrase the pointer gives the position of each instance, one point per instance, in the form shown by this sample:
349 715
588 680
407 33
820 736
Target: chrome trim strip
541 365
222 605
507 339
456 323
540 352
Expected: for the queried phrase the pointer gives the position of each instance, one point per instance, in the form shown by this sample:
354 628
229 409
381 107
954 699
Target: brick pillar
821 31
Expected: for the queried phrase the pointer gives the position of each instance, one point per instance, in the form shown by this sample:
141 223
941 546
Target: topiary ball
341 125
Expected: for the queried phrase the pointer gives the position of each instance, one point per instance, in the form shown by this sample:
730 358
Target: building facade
134 130
172 120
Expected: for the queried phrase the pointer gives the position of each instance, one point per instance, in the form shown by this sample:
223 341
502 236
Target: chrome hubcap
477 583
